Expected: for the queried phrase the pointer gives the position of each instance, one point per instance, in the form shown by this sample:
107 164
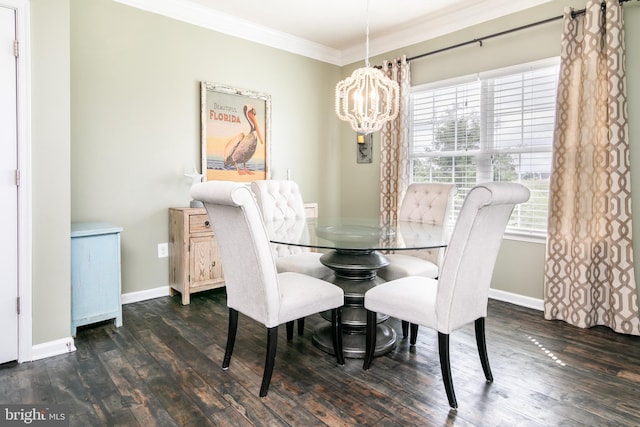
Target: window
496 126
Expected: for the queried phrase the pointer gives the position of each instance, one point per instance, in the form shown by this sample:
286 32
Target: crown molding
193 13
440 24
448 21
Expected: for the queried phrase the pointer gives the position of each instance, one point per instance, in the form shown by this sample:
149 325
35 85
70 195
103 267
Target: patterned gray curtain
589 274
394 141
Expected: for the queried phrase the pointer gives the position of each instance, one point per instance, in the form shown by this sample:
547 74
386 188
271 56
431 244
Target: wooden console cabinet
194 261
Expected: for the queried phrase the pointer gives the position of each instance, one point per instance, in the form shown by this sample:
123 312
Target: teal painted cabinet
95 274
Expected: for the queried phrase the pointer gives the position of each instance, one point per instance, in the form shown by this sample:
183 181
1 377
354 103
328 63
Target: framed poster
235 133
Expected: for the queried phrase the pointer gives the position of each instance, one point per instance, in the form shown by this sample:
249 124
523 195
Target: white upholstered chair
253 285
424 203
283 212
459 296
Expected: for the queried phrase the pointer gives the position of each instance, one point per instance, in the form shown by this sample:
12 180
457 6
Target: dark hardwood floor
162 367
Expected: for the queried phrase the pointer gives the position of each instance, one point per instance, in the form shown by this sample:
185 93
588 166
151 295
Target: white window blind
496 126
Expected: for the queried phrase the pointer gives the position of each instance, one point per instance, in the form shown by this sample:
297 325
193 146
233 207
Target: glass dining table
354 249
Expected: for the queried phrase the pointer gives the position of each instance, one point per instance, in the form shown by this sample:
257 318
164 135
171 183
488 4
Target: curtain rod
490 36
502 33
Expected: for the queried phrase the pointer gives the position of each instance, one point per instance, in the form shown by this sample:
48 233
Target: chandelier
367 99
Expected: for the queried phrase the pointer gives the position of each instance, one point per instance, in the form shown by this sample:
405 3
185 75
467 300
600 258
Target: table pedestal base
356 273
353 344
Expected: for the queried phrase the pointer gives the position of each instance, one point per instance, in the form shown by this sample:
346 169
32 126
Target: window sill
526 237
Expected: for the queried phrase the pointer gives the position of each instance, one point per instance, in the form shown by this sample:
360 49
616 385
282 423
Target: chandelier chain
366 55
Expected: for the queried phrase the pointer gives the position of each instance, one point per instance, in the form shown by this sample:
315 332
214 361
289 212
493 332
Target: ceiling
334 31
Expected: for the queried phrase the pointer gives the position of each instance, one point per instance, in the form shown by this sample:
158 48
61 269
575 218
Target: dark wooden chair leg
481 340
290 330
301 326
445 367
231 338
370 340
405 329
336 334
414 334
270 359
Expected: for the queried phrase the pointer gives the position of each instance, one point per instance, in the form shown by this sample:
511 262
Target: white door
8 189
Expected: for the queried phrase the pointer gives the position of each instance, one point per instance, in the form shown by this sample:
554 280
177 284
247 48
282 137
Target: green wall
115 125
50 144
135 115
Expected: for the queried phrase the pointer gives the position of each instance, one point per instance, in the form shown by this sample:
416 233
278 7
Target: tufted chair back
278 199
427 203
283 212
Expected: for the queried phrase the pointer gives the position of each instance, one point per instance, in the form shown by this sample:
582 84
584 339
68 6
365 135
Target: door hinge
16 48
18 305
17 177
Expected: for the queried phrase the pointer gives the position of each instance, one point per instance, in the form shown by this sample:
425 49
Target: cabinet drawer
199 224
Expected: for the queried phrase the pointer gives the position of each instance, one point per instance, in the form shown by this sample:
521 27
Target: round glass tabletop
366 234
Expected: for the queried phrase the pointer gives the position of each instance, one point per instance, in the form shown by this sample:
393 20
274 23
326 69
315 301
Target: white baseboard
132 297
52 348
66 345
521 300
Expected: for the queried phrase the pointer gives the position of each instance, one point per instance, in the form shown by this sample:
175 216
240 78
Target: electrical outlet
163 250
